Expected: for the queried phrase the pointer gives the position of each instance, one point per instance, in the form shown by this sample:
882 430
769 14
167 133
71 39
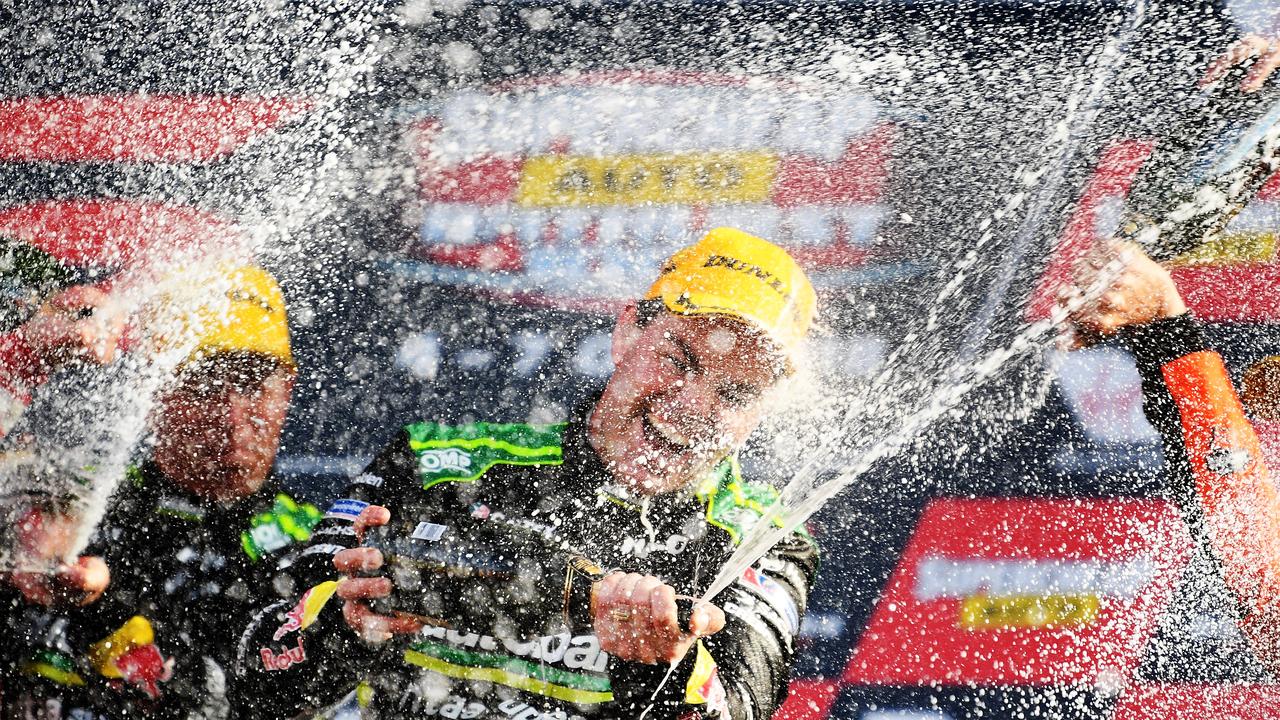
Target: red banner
1023 591
1202 702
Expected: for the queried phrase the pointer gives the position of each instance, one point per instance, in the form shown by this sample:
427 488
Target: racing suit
197 569
515 651
77 663
1215 463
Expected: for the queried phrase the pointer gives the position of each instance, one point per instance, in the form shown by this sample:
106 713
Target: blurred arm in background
1213 457
1262 50
1258 23
79 323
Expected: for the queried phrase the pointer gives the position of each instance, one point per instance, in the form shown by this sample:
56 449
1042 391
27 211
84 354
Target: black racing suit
197 570
186 575
45 673
513 648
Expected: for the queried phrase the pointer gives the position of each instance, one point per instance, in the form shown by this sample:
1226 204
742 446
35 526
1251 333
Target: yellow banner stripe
635 179
985 612
1231 249
502 677
56 674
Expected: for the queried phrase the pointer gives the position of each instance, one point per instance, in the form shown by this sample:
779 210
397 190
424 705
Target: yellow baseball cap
253 319
730 272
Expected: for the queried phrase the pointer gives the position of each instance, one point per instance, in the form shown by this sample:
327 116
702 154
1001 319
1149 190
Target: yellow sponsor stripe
703 667
485 442
635 179
502 677
314 601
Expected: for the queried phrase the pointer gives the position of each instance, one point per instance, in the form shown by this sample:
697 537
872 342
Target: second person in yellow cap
193 534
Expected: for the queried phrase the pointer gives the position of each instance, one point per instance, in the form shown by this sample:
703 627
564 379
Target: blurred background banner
458 195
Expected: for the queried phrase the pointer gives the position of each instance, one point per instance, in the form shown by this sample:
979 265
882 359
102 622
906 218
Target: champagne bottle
1215 158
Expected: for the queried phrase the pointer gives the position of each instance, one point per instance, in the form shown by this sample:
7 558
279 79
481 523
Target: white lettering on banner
451 459
567 191
947 578
649 118
1104 393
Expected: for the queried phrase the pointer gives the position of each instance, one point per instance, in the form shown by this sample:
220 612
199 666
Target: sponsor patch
704 686
346 509
444 459
773 593
269 538
428 531
307 609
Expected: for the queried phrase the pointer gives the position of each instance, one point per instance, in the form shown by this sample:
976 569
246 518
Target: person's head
218 424
693 361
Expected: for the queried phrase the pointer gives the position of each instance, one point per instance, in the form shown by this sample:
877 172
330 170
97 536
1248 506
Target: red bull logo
286 658
145 668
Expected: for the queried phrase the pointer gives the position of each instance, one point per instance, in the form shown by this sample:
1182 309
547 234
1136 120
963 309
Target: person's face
685 392
218 427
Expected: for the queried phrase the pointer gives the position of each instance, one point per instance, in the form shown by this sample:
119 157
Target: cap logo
747 268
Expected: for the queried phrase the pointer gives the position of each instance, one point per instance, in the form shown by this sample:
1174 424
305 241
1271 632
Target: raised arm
1213 457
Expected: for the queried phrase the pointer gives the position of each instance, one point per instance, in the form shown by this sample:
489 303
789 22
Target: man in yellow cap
536 571
193 534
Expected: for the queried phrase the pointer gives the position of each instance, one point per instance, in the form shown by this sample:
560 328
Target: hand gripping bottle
1216 156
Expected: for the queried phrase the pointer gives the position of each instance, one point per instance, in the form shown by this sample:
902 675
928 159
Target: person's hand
80 322
356 589
634 617
80 583
1141 291
1264 50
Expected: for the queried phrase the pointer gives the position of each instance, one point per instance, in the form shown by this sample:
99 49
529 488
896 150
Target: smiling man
534 571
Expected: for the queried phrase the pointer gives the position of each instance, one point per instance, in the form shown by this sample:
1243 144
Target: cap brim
706 304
